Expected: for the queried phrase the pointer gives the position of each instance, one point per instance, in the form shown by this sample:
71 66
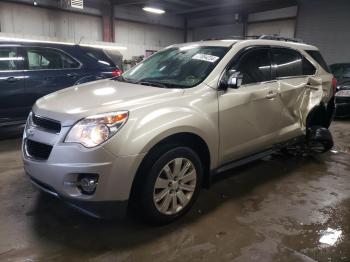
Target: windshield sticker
207 58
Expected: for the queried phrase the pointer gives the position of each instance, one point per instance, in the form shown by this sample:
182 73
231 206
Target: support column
107 36
108 23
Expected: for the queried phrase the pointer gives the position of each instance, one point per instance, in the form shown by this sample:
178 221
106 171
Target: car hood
72 104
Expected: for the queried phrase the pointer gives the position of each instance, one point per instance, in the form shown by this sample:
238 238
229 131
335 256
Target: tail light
117 72
334 85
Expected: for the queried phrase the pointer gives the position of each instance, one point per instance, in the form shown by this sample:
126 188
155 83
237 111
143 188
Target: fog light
88 184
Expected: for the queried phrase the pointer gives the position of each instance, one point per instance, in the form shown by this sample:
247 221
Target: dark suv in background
342 97
31 70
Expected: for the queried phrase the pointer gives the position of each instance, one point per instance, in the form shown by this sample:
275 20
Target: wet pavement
277 209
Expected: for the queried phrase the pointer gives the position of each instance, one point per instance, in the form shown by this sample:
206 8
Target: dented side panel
299 97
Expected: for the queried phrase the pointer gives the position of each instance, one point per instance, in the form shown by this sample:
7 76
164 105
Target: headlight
94 130
343 93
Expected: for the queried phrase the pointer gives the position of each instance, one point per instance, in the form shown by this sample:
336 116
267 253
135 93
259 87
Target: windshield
176 67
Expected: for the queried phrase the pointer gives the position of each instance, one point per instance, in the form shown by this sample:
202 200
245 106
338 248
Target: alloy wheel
175 186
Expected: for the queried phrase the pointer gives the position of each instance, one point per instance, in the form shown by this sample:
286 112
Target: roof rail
281 38
234 38
262 37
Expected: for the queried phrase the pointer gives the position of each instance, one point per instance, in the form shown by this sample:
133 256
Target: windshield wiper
151 83
122 79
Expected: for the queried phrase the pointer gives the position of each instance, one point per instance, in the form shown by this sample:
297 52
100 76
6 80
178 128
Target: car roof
36 43
53 44
231 42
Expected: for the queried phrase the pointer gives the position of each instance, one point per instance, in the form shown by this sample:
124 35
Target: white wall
284 28
217 32
274 14
27 20
140 37
326 24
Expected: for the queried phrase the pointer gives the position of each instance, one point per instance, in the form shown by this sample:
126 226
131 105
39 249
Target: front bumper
59 173
105 209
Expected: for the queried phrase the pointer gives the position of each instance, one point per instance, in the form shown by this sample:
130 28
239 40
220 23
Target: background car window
9 59
42 58
337 70
98 56
346 72
308 68
255 66
287 62
341 70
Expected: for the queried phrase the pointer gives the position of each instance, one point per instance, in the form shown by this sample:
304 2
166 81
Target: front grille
38 150
46 124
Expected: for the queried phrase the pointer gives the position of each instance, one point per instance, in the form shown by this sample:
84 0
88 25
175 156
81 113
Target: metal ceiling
202 8
184 8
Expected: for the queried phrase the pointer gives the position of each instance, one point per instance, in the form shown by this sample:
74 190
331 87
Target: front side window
254 66
177 67
9 59
45 58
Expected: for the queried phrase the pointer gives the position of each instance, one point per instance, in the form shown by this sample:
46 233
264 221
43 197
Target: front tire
170 185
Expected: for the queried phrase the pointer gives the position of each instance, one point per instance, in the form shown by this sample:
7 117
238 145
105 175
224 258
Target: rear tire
318 140
168 185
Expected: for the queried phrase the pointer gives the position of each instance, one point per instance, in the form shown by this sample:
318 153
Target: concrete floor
277 209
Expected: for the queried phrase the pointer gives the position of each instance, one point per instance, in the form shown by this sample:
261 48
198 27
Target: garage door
284 28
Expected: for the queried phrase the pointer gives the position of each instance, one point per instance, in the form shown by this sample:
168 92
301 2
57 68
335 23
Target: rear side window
46 58
316 55
290 63
255 66
308 68
287 62
9 59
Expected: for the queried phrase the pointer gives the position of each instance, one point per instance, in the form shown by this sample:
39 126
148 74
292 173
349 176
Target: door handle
12 79
271 94
73 75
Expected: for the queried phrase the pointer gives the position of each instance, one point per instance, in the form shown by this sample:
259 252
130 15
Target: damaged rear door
300 89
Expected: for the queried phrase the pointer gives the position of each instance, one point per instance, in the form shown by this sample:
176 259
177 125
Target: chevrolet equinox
150 139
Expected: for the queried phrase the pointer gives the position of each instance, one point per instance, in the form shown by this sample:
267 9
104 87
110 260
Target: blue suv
30 70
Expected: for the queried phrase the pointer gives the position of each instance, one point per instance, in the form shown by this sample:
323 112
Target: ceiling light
153 10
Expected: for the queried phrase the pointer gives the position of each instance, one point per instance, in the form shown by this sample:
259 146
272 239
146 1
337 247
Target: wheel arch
188 139
321 115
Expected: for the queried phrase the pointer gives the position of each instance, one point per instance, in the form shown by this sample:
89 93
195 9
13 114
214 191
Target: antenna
81 39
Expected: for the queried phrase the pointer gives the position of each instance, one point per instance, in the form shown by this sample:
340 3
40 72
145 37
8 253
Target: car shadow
54 221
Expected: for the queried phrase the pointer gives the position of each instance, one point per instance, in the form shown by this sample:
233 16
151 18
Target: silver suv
149 140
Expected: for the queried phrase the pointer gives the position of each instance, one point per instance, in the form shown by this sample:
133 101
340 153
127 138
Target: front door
12 95
250 116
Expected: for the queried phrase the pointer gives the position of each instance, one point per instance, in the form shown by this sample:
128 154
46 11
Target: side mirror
231 79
